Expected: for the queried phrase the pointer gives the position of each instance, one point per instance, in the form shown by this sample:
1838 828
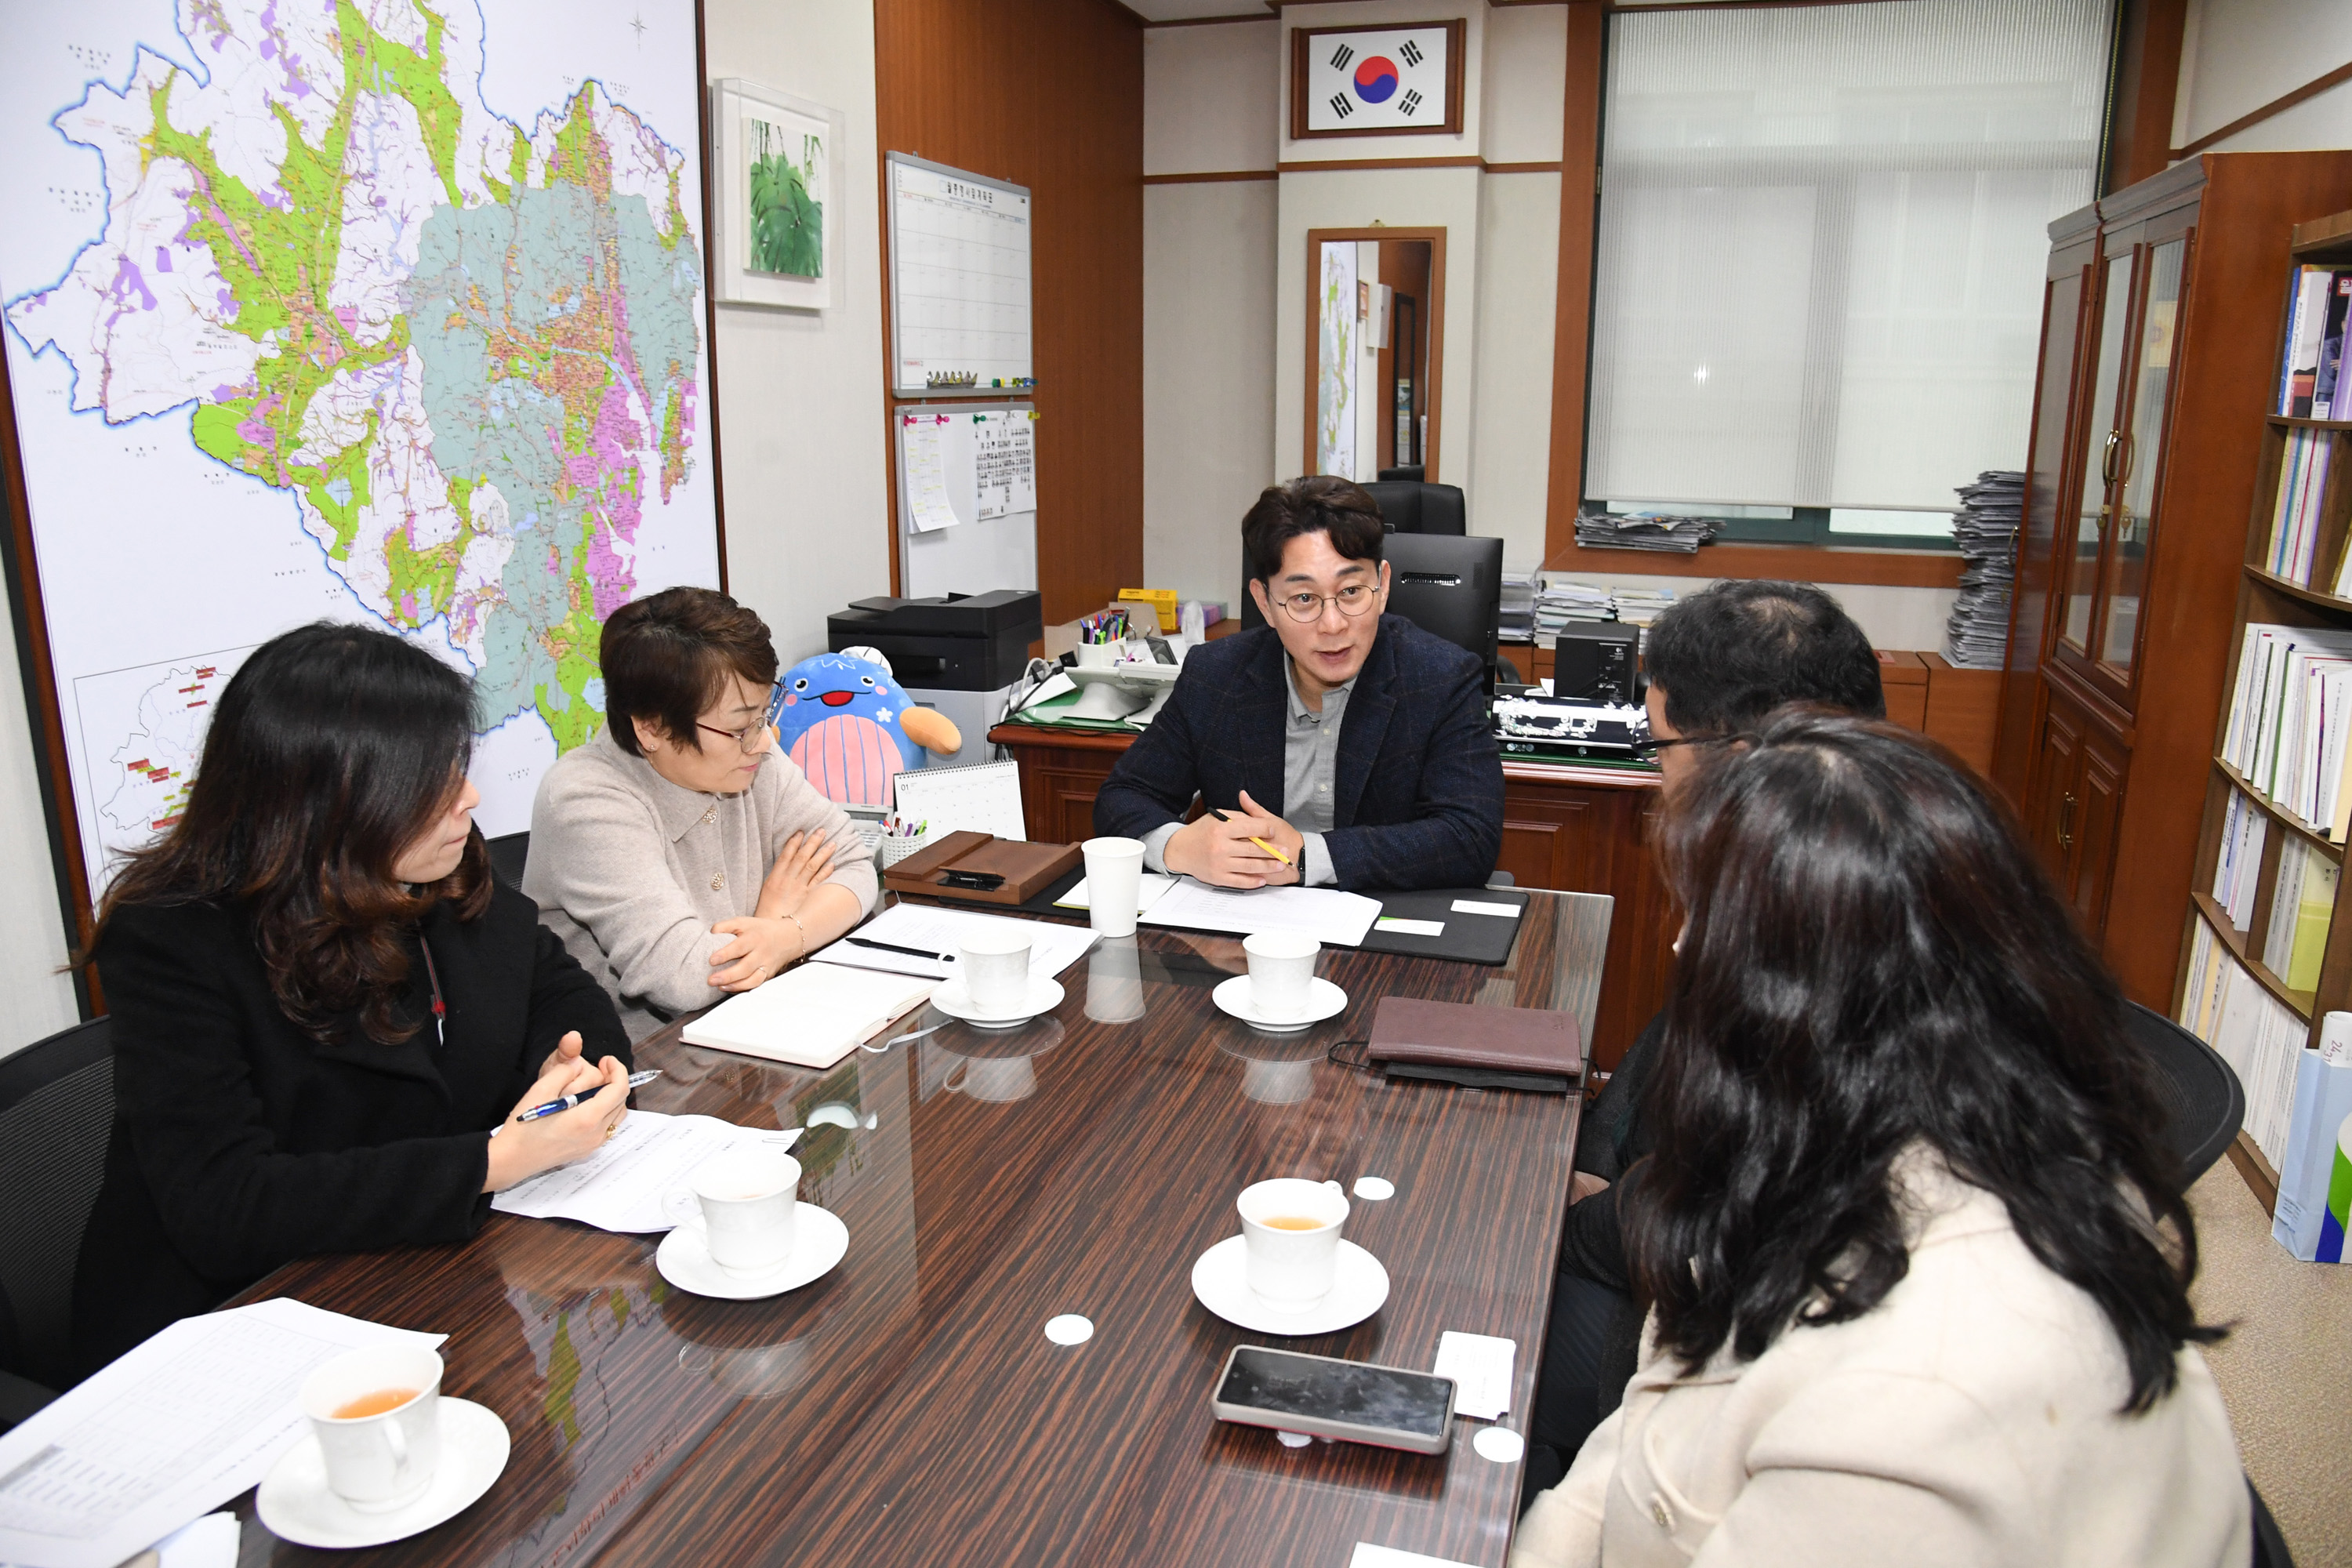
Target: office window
1822 242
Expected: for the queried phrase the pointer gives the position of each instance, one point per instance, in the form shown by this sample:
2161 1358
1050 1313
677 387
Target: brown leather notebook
1026 868
1482 1047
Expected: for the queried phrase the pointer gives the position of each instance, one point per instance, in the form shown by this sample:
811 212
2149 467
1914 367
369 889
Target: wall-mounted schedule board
958 281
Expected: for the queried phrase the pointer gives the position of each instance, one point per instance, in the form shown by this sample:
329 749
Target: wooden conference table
908 1408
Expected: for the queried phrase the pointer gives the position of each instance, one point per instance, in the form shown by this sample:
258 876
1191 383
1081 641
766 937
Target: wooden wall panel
1049 94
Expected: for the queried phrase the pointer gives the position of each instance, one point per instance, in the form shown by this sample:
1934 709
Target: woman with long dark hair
323 1007
1917 1258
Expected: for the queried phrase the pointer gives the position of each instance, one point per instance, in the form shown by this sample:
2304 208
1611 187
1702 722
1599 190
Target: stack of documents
172 1430
1518 620
621 1186
1331 917
1562 600
1614 531
1985 528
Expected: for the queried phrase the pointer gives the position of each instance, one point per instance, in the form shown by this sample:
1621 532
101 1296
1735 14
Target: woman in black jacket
323 1006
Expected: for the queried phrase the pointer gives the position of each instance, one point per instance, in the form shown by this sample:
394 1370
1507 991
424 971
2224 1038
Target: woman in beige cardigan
678 855
1917 1259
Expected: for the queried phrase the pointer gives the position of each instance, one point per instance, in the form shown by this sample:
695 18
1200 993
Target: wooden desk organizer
1027 868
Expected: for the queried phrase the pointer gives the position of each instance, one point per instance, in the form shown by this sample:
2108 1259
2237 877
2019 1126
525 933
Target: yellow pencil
1260 843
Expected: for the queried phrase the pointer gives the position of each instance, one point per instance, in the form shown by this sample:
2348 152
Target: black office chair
56 1113
1408 506
2203 1102
1404 471
507 857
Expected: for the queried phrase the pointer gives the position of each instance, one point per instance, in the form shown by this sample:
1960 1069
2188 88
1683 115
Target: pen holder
897 850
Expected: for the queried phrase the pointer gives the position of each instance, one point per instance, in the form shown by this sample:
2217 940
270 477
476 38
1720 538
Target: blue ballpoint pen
556 1107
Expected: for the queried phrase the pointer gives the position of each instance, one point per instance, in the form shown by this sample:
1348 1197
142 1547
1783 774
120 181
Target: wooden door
2050 801
2096 817
1561 838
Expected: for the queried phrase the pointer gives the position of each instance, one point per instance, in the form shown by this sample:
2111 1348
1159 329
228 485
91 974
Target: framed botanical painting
1376 81
776 237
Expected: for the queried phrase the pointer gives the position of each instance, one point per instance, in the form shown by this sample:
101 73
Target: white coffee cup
1114 884
745 1204
1281 972
383 1461
1291 1270
994 964
1115 981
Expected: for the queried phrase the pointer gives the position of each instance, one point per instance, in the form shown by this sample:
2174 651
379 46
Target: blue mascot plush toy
844 718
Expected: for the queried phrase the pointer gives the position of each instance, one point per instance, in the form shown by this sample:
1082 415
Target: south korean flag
1383 79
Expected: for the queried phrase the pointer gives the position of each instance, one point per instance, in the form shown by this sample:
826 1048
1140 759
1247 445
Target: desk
908 1409
1585 830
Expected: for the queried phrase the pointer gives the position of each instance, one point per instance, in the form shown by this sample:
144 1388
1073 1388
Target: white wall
1526 84
1208 376
800 395
2238 55
1518 282
1211 97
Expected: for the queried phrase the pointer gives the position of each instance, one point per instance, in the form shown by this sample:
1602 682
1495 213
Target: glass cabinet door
2138 459
2100 442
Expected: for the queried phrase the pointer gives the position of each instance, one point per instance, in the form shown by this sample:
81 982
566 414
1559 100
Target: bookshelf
2266 595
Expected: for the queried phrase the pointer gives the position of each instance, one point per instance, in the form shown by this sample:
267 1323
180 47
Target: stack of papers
621 1186
1331 917
1624 531
1985 528
1518 618
1562 602
172 1430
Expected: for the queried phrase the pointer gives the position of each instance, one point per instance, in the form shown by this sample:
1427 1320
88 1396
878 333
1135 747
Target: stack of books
2295 518
2244 830
1677 535
1985 528
2289 717
2260 1036
1562 600
2311 385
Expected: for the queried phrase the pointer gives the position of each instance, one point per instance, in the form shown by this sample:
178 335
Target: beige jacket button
1661 1512
717 880
709 817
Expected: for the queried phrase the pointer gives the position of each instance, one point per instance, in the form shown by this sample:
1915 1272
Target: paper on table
167 1432
1480 1366
1324 913
1052 948
208 1543
621 1186
1147 894
1371 1556
1404 927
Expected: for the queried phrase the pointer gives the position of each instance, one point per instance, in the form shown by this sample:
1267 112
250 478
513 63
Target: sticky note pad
1480 907
1404 927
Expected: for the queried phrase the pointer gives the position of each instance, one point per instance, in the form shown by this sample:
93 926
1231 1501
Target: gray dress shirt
1311 759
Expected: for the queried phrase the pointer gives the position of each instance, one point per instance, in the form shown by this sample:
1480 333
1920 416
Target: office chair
1408 506
1449 586
56 1114
507 857
1410 471
2203 1102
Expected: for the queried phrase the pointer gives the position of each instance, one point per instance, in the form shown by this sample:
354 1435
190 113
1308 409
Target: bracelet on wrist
804 940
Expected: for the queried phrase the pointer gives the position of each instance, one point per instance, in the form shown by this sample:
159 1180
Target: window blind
1822 242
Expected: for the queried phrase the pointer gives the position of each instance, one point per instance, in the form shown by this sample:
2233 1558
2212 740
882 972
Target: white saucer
819 1241
1220 1283
297 1505
953 999
1323 1000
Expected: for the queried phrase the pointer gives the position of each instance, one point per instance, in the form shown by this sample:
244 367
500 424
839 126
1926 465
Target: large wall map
390 311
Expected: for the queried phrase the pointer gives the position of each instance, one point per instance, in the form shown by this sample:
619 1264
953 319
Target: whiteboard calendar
958 281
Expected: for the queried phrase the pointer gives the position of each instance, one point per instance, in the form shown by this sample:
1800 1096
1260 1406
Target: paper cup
1113 883
1291 1269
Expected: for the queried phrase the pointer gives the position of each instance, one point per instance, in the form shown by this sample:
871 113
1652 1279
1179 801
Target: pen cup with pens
901 838
1100 638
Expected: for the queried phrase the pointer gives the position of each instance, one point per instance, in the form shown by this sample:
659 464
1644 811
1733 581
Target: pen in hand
1260 843
557 1107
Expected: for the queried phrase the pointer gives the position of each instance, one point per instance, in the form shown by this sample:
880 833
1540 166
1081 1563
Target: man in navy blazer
1354 745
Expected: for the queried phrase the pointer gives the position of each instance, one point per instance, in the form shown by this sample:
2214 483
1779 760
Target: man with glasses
1336 746
1718 663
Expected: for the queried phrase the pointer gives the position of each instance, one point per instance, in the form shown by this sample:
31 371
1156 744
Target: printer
961 654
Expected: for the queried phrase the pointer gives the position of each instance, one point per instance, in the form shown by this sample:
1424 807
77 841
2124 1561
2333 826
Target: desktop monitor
1450 586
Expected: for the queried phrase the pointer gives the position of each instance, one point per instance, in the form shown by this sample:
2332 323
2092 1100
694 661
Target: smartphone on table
1351 1401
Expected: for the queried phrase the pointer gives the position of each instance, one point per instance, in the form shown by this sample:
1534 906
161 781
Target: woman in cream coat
678 855
1918 1261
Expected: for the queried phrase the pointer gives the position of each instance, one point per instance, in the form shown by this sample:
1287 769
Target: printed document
1148 892
169 1431
622 1185
1329 916
1052 948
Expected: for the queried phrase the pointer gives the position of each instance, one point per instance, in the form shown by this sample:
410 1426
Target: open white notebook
809 1016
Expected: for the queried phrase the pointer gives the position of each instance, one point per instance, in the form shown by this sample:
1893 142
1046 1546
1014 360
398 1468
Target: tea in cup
745 1205
1290 1239
376 1412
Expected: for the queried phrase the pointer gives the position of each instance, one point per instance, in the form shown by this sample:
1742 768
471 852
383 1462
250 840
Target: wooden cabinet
2160 315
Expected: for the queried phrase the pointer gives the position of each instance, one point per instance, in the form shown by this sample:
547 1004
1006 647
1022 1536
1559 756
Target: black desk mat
1467 938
